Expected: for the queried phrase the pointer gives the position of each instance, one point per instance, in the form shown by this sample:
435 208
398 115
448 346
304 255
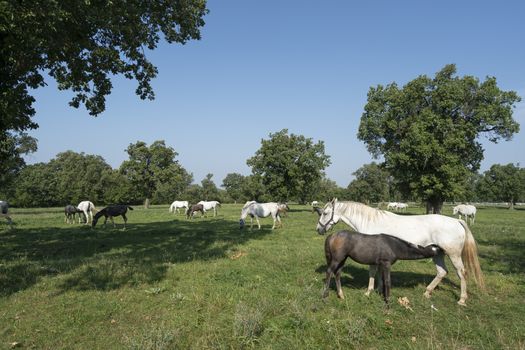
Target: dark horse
380 250
69 212
194 208
110 212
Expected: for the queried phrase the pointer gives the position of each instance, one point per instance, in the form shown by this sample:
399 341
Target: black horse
110 212
380 250
193 209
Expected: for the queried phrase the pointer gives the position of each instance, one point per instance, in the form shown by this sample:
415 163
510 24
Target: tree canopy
154 172
503 183
81 44
371 184
290 165
427 131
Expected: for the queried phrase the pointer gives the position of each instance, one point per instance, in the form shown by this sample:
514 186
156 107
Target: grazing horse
174 207
391 206
375 250
401 206
452 235
87 208
283 209
110 212
465 209
193 209
262 210
4 212
69 212
209 205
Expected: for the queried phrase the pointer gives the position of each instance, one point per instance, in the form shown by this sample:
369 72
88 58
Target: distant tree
68 178
290 165
233 183
150 168
193 193
371 184
36 186
82 44
254 189
79 177
13 146
504 183
427 131
209 189
326 190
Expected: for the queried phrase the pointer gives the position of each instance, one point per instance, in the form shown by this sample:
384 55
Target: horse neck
244 212
357 215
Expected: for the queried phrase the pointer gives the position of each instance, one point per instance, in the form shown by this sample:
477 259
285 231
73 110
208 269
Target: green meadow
167 282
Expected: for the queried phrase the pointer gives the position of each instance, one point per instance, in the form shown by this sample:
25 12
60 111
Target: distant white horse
392 205
466 209
174 207
314 203
87 208
209 205
260 210
401 206
4 212
452 235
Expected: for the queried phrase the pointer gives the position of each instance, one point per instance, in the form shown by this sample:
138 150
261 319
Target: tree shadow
109 258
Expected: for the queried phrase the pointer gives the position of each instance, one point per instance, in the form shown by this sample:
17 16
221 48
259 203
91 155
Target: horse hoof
462 303
367 293
341 296
427 294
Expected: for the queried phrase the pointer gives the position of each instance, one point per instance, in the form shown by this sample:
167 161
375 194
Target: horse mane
366 213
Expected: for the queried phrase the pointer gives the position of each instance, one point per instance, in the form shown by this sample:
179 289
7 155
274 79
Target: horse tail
470 256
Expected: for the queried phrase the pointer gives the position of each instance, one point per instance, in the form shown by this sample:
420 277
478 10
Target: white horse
402 206
4 212
392 206
260 210
174 207
452 235
466 209
209 205
87 208
314 203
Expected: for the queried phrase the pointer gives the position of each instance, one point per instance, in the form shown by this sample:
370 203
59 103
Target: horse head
328 217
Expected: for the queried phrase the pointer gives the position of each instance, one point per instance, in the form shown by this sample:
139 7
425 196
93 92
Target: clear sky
307 66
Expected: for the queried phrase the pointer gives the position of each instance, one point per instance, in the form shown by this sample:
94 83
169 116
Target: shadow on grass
108 258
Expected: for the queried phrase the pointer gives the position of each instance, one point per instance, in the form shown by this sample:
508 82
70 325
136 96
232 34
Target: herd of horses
380 239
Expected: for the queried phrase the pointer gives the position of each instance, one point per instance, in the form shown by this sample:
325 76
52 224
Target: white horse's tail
470 257
171 208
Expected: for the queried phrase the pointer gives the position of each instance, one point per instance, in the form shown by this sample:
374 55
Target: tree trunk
434 206
146 203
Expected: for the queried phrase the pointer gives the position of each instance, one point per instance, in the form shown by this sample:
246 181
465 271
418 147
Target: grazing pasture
169 282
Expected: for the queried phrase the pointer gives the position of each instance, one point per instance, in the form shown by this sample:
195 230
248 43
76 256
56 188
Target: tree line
285 168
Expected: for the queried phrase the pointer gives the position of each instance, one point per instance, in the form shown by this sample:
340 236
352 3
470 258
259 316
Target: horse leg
385 276
258 223
442 271
372 270
125 220
460 270
338 272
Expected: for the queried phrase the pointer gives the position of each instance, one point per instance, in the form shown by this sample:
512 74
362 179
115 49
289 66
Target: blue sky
307 66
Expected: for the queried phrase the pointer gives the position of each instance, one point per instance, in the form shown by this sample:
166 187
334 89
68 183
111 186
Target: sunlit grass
166 282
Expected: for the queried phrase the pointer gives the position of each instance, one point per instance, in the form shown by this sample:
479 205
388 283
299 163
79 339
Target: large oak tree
81 44
428 131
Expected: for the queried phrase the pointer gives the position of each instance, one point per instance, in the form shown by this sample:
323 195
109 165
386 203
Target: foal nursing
379 250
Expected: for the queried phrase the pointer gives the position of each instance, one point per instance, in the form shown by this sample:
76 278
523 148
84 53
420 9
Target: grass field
171 283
